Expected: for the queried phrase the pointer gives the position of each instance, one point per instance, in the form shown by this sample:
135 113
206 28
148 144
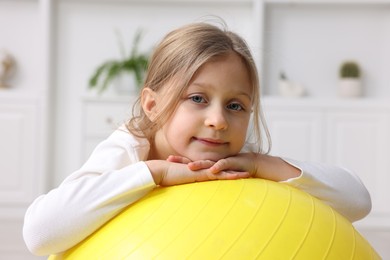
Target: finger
221 165
224 175
200 165
178 159
232 175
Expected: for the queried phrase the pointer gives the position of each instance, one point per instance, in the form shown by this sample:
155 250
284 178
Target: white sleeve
88 198
335 186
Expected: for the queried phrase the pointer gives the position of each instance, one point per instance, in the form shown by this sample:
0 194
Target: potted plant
350 82
130 69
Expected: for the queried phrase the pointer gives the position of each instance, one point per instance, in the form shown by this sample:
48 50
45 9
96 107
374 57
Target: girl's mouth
210 141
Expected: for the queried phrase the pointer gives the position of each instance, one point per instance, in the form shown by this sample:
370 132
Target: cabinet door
18 153
295 133
21 171
101 118
359 140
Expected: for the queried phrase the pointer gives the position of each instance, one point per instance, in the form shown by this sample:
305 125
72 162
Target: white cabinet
21 168
102 116
360 141
18 138
295 132
351 133
355 135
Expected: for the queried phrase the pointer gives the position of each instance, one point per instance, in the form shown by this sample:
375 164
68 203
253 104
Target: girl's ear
148 103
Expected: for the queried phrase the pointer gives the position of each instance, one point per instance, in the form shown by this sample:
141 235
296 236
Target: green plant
135 63
349 69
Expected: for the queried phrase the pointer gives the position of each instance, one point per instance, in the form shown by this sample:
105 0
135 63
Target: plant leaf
115 69
93 81
136 40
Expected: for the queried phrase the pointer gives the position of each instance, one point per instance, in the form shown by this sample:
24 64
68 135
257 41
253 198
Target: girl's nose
216 119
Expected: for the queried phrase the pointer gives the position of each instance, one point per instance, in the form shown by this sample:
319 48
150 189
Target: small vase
6 67
350 87
125 84
290 89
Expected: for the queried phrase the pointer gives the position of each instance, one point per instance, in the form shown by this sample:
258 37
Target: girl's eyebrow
207 86
243 93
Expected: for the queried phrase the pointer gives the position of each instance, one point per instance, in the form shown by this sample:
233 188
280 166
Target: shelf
19 95
110 98
309 42
337 2
165 1
305 102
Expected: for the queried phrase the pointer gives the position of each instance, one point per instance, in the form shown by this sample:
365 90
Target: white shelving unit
58 44
308 40
24 117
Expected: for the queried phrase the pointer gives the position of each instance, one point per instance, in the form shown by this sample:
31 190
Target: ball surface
241 219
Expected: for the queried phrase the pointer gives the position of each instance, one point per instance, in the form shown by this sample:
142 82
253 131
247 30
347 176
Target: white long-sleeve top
116 176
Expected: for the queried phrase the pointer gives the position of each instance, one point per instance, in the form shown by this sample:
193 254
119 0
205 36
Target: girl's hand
194 166
246 162
178 159
258 166
167 173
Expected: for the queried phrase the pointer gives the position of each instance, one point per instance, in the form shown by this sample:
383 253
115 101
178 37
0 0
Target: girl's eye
197 99
235 107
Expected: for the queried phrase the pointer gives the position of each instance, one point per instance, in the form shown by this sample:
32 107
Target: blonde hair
175 61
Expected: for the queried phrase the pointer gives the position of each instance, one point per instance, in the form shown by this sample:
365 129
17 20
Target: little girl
194 112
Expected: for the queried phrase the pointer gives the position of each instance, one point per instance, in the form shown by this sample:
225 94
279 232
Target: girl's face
211 120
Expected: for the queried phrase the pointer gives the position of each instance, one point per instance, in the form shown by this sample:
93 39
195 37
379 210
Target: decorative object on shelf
126 74
350 80
290 89
7 66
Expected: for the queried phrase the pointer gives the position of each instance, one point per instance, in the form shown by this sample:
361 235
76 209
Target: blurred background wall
50 120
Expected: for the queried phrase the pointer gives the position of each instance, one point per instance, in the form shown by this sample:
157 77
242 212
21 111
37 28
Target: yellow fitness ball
240 219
